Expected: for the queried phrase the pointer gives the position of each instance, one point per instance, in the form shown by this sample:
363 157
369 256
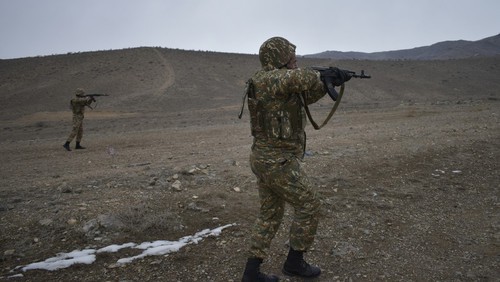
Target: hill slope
166 80
459 49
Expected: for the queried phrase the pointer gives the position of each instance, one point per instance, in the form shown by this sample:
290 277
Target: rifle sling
334 108
243 105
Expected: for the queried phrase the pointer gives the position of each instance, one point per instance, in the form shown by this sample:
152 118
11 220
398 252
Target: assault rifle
92 97
329 75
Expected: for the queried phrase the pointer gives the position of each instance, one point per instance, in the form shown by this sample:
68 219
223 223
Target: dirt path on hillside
169 74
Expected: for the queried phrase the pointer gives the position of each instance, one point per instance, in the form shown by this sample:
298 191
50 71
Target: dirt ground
409 192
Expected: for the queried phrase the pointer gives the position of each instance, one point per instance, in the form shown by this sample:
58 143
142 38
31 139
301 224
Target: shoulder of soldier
286 72
290 75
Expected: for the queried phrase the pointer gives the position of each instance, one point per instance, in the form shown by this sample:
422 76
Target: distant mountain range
445 50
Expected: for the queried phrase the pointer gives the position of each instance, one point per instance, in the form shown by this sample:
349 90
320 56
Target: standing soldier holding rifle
78 105
277 122
278 96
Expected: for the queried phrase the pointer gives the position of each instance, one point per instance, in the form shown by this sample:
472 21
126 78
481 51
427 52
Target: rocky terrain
408 168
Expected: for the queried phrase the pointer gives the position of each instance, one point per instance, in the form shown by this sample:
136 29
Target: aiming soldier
78 104
277 95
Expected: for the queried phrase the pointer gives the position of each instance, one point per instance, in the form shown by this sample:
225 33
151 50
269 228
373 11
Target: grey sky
46 27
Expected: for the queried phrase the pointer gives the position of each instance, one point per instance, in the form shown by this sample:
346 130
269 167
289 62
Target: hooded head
79 92
275 53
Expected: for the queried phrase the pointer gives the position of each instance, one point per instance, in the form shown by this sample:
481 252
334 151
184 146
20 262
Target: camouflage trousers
77 130
281 180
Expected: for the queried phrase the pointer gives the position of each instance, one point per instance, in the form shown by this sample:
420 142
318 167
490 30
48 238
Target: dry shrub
142 218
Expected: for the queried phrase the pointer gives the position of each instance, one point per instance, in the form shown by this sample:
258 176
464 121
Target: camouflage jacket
277 113
78 105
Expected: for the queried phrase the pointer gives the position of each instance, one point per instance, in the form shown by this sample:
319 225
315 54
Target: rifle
95 95
330 74
92 97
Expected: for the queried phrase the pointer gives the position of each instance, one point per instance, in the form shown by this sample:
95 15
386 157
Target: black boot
295 265
252 272
66 146
78 146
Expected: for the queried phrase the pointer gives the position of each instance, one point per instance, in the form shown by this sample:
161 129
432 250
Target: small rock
45 222
193 207
237 189
72 221
64 188
90 225
9 252
176 186
114 265
231 162
109 221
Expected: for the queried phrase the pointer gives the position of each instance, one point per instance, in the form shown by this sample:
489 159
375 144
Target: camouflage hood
80 92
275 53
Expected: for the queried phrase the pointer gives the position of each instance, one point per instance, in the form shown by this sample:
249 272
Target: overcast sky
46 27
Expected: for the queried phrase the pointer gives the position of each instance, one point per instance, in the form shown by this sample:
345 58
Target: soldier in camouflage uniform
276 95
78 105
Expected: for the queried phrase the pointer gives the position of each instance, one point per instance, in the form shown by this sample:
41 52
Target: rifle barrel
362 75
352 73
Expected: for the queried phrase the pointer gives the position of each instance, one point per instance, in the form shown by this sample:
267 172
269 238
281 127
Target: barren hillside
166 80
407 168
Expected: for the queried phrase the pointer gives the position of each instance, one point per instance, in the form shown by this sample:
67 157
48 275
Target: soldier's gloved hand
341 76
348 75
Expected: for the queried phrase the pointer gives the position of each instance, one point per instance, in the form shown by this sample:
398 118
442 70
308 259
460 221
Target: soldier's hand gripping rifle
92 98
331 77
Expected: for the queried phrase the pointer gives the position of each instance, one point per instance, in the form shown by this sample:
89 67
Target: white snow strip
158 248
115 248
64 260
88 256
